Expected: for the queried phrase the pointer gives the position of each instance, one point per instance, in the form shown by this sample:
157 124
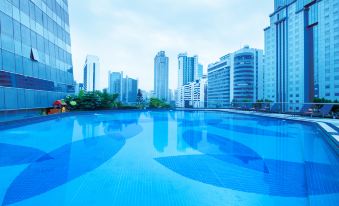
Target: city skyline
138 31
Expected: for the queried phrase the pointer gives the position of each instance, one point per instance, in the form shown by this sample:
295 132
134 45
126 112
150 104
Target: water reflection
89 128
160 130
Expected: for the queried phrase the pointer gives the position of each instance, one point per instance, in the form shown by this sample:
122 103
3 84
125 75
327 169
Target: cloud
127 34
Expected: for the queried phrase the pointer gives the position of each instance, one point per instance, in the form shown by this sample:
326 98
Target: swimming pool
167 158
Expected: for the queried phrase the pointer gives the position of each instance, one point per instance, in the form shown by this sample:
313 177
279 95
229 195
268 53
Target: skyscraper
237 77
35 56
115 83
161 76
248 71
187 69
126 87
130 90
200 72
302 51
220 76
92 73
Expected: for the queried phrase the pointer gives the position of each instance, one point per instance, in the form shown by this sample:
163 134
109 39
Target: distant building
237 77
92 73
126 87
193 94
170 95
78 87
248 71
200 72
161 76
115 80
302 52
130 90
220 76
187 69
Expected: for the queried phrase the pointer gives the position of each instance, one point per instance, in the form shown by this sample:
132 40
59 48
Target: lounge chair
323 111
266 108
276 108
307 109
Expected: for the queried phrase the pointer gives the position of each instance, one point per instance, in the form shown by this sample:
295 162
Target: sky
127 34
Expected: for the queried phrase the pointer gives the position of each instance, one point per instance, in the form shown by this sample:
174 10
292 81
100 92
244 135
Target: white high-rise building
161 76
193 94
92 74
302 52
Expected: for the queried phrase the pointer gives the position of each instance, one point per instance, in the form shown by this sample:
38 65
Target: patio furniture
323 111
307 109
266 108
276 108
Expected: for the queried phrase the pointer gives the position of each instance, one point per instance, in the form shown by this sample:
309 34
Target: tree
92 100
140 99
158 104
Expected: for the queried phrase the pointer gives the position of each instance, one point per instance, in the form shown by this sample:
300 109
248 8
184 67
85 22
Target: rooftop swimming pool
167 158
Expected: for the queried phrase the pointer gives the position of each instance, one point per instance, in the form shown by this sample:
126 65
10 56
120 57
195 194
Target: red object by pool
58 102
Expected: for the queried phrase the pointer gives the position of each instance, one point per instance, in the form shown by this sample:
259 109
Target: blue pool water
167 158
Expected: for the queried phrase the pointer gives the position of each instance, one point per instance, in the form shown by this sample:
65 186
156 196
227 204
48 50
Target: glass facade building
161 76
36 62
237 77
130 90
248 75
220 76
187 69
92 74
115 83
302 52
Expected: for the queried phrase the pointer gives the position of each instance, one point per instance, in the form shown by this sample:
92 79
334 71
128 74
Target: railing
311 109
13 115
330 110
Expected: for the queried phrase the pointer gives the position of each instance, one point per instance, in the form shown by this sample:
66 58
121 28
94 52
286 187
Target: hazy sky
127 34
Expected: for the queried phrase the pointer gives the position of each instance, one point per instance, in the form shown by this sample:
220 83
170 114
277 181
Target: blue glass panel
21 98
19 69
2 98
313 14
8 61
11 100
6 24
7 43
28 66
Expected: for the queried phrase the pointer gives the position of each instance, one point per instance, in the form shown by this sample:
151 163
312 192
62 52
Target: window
6 24
7 43
8 61
24 6
35 55
25 35
17 30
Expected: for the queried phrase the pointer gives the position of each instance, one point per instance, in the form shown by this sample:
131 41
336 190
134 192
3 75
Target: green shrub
158 104
92 100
